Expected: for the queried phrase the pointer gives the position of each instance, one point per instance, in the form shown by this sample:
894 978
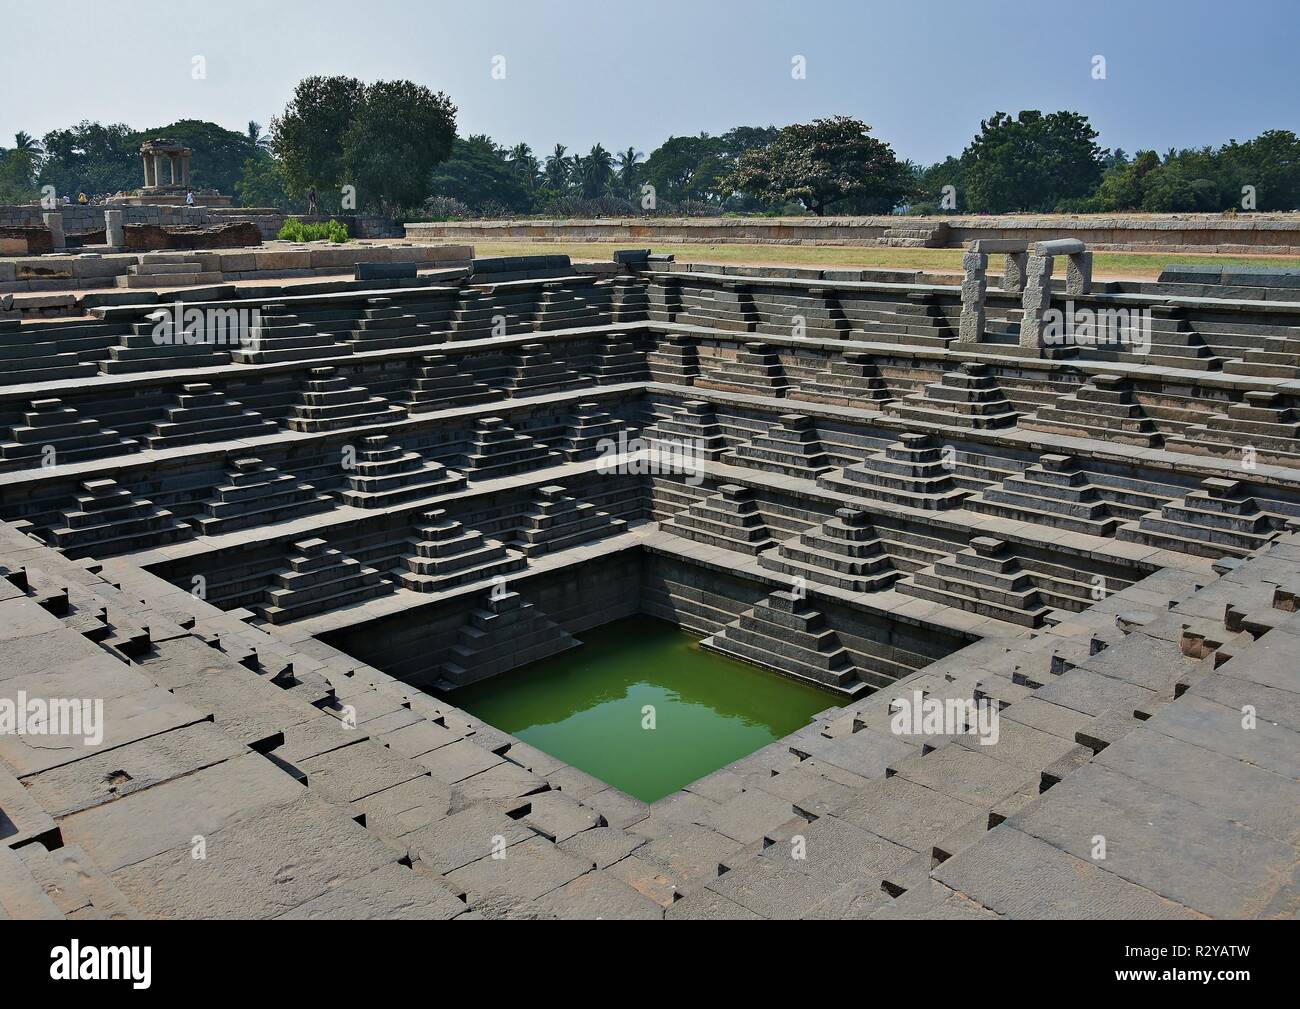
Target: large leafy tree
91 158
308 136
479 175
687 169
399 132
1032 162
826 164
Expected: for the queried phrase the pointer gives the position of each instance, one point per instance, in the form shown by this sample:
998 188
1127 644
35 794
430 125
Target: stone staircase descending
1220 519
255 493
1104 407
535 372
203 413
785 634
1261 424
791 446
985 578
329 403
852 379
917 321
57 883
695 424
441 385
318 578
675 361
617 360
1054 492
756 370
386 325
53 434
168 270
1174 344
909 472
728 519
915 235
498 450
969 397
592 432
558 521
844 551
443 554
278 335
504 633
110 520
385 474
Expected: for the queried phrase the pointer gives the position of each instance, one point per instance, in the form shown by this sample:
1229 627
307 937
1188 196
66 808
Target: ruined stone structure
276 562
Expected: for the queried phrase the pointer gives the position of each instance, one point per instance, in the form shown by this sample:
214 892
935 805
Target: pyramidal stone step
318 579
910 472
968 397
851 380
630 300
592 433
1103 408
441 385
1261 425
504 633
204 414
52 434
280 336
329 403
695 426
385 325
557 521
159 344
844 551
756 370
110 520
255 493
618 360
1219 519
444 554
1054 491
536 372
984 578
791 446
785 634
498 450
729 518
675 361
1173 344
384 474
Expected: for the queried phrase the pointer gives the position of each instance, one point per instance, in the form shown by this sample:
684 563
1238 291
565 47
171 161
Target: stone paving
1058 603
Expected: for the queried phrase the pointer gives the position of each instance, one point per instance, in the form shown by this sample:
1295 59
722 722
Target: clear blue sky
923 73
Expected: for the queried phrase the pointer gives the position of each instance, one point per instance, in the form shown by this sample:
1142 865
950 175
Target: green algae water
585 707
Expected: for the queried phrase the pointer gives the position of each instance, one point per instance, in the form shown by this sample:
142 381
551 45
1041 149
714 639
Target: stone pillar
1037 299
974 288
1013 272
157 164
54 221
185 170
171 167
147 181
114 234
1078 274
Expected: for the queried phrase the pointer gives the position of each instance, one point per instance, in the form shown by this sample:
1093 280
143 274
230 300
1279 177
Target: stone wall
1278 234
77 218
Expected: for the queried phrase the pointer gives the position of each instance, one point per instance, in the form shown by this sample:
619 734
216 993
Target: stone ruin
277 562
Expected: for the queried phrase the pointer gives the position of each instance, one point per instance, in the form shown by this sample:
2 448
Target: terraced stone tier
756 370
498 450
1220 519
504 633
844 551
157 345
791 446
384 474
1104 407
850 380
968 398
203 413
730 519
319 578
617 360
1055 491
558 521
784 633
52 433
911 472
676 360
442 385
255 494
329 403
1261 426
386 325
695 424
445 554
536 372
110 520
592 433
984 578
281 336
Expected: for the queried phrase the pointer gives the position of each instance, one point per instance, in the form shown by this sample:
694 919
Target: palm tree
627 162
596 173
522 160
256 137
557 169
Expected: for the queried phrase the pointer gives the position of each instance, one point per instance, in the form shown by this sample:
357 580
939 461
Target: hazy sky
923 73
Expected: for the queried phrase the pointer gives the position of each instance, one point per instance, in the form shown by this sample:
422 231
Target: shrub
296 230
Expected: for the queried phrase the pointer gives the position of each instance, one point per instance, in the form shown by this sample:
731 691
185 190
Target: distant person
311 202
66 201
81 198
189 197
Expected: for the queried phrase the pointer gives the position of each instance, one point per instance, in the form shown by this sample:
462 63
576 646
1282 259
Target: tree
256 137
90 158
685 169
824 163
219 153
597 173
628 164
308 136
478 175
262 183
399 132
556 174
525 165
1032 162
